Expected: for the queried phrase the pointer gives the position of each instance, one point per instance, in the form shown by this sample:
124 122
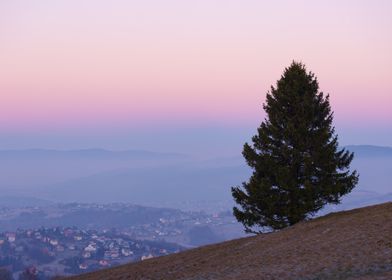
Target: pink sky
77 64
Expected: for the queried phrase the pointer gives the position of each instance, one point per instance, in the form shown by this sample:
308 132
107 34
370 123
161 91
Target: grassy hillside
353 244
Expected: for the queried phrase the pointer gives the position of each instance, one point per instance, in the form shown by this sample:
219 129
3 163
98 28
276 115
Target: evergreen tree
297 164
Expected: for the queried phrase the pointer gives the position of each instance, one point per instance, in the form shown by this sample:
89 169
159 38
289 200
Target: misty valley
80 211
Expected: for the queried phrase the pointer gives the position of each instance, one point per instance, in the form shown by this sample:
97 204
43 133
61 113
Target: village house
53 242
78 237
11 236
126 252
149 256
103 263
92 247
86 254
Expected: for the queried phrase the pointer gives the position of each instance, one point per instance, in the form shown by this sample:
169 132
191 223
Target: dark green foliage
297 165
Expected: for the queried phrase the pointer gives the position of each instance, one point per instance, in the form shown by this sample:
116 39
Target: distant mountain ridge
93 153
370 150
100 153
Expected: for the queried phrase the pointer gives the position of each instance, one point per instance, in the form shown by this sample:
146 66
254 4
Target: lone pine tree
297 164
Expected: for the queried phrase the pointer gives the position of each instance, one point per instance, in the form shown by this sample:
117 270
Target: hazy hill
160 179
21 201
209 179
42 167
370 151
39 154
374 165
152 185
355 244
86 216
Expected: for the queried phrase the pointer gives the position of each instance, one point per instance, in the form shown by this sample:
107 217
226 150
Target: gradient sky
182 75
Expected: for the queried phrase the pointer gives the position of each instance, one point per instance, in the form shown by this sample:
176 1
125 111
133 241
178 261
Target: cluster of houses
138 233
67 251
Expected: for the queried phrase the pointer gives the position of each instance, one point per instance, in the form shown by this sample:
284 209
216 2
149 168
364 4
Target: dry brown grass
354 244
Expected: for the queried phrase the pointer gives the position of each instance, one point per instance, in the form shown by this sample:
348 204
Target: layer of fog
159 179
